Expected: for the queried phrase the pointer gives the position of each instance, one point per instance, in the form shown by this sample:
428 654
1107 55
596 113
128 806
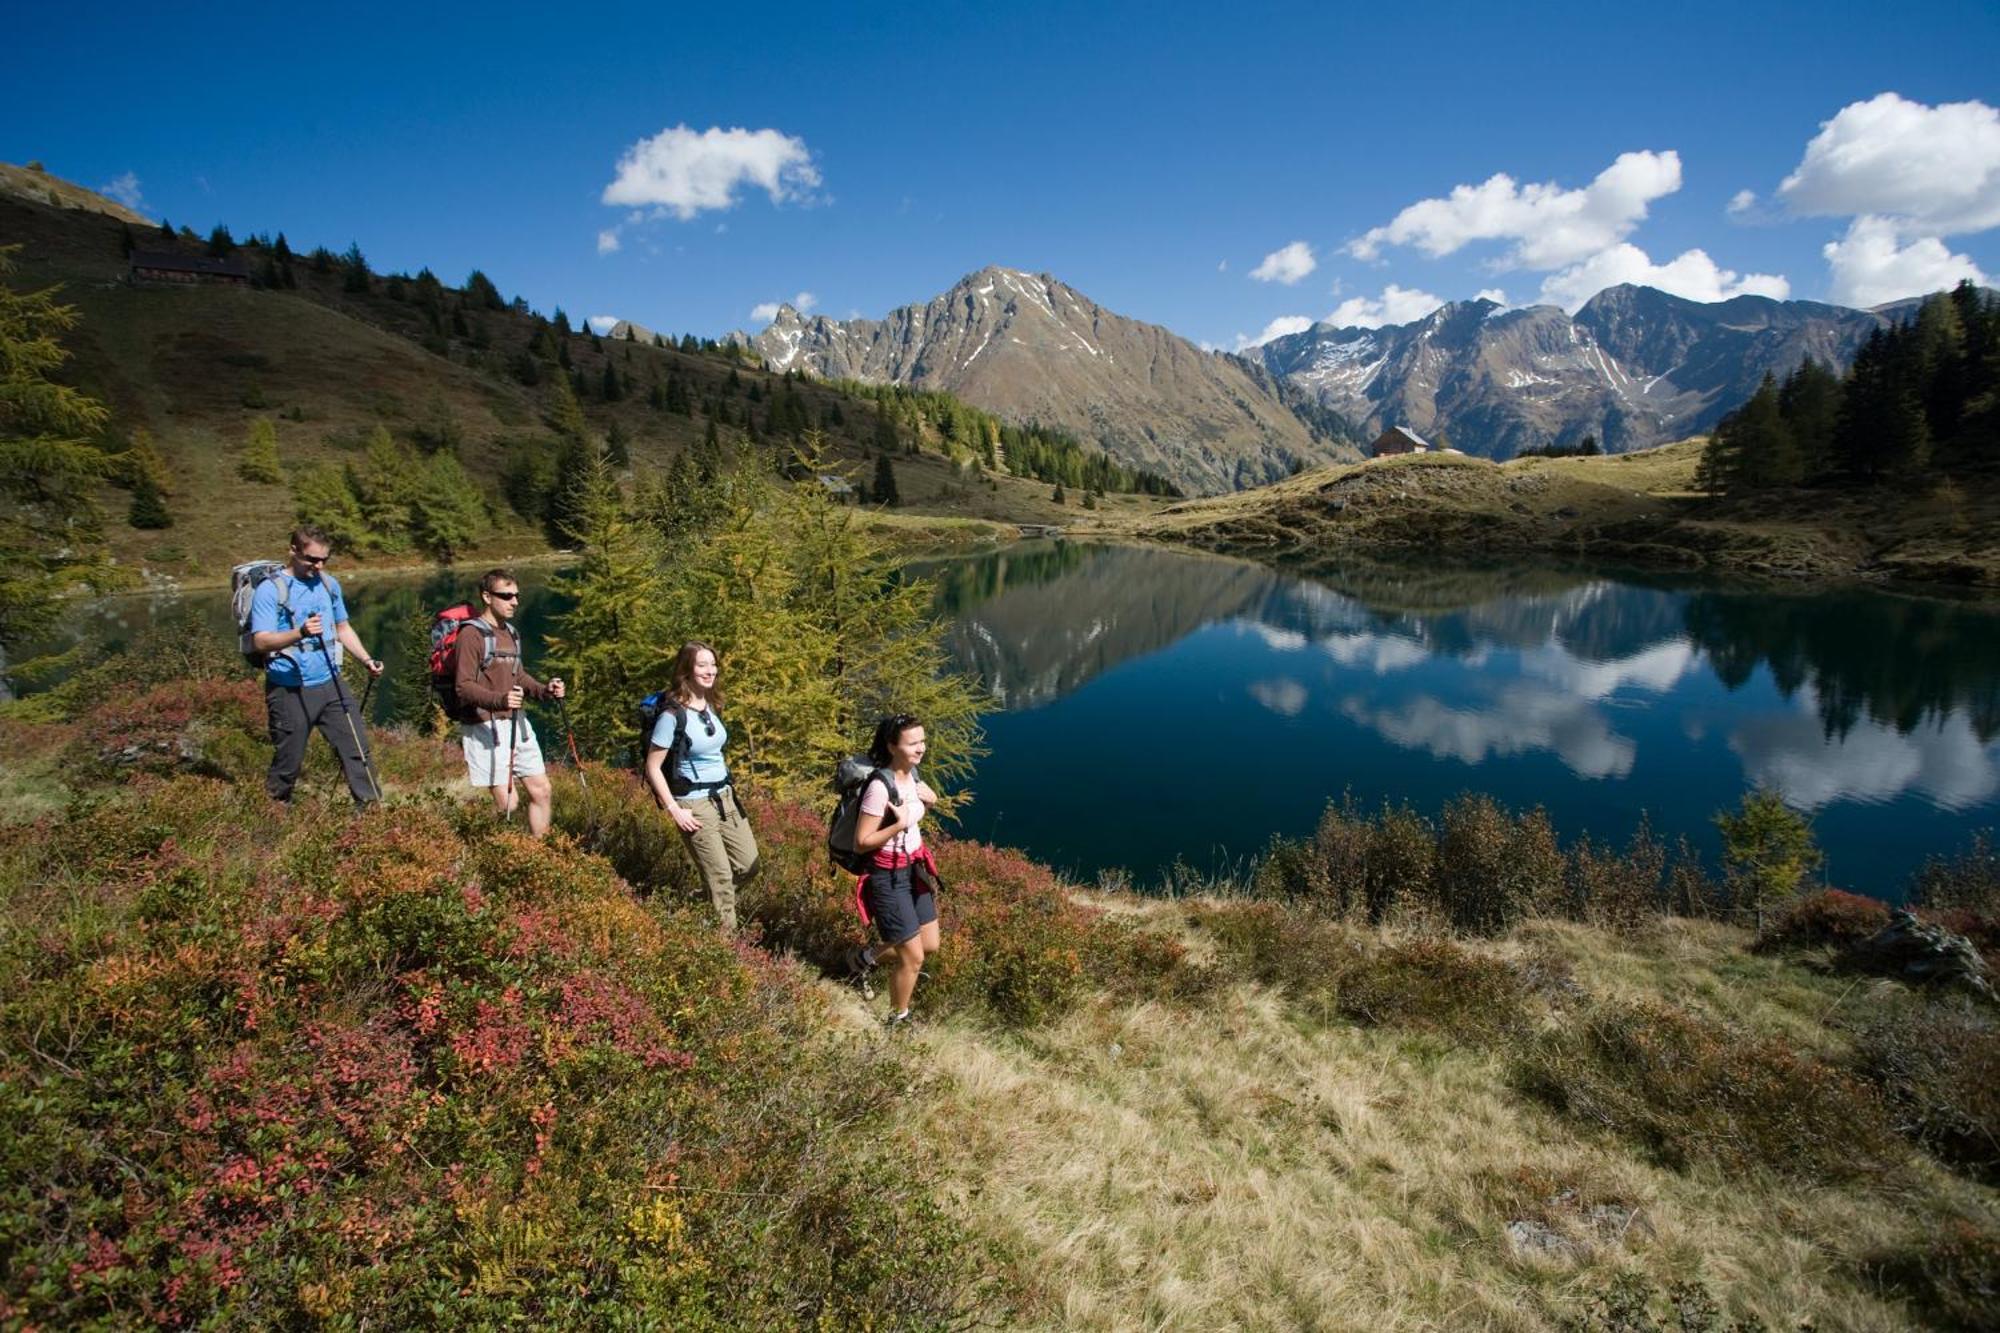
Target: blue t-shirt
303 663
704 753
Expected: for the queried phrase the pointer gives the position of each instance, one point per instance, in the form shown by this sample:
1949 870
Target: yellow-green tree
817 637
1768 847
614 644
260 453
51 532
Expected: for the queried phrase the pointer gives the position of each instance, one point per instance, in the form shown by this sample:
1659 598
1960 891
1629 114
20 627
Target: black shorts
895 907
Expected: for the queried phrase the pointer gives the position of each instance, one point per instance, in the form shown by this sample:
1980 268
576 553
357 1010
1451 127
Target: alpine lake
1155 710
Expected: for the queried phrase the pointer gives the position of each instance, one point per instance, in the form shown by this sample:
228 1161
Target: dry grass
1230 1165
1639 507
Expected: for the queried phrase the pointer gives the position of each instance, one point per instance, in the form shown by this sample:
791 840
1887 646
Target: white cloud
1655 670
1524 719
1396 305
1222 267
1792 753
1741 203
603 323
685 172
1287 265
1277 328
607 241
766 311
1283 696
1550 226
1872 264
1493 294
125 189
1379 653
1692 275
1935 169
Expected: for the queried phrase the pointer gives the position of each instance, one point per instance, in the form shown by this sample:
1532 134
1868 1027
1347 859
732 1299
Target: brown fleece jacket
485 688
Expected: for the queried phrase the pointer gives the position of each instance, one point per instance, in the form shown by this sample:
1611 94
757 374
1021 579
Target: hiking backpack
446 626
851 777
244 580
650 708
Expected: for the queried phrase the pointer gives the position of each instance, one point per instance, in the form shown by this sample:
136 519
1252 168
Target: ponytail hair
887 732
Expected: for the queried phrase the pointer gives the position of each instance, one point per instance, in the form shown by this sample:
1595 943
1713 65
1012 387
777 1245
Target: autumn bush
1937 1062
1687 1090
1478 870
408 1069
1950 1273
1017 948
1830 919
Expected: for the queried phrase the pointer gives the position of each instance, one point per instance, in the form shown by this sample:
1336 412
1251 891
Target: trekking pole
569 735
512 713
367 690
347 708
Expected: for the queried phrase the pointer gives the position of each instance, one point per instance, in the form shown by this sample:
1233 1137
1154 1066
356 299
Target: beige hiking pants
724 850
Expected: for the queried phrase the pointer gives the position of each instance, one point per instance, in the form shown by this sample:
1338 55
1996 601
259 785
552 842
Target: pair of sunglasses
707 721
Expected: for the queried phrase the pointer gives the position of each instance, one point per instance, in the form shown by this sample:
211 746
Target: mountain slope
1033 348
1634 367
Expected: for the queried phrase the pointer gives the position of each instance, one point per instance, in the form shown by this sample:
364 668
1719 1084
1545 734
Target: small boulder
1922 955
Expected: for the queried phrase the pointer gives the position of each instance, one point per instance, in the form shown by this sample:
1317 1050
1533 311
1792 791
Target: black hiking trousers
294 711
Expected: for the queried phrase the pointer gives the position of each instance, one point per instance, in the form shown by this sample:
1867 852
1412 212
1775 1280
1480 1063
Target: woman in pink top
900 889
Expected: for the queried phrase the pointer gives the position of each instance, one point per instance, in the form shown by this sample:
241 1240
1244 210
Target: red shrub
1830 918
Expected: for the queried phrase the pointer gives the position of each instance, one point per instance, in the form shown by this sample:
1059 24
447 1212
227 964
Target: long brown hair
683 687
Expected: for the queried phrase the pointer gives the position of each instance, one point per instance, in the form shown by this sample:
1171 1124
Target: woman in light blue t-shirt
690 780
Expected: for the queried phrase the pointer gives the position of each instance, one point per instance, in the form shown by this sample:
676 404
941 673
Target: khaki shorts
486 751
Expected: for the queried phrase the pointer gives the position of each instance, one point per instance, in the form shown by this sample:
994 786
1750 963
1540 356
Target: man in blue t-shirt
299 618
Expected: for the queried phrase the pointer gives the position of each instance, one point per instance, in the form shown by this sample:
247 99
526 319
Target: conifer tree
282 249
220 242
617 445
126 241
149 506
50 528
615 642
481 292
142 460
384 483
564 413
166 230
321 496
354 269
612 388
260 455
884 486
447 512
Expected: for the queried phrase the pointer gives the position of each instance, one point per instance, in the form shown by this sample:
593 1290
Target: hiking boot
860 974
896 1023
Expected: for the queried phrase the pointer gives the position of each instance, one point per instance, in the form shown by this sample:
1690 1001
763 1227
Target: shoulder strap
888 785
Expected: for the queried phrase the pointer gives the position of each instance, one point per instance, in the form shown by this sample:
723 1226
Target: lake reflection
1160 705
1156 706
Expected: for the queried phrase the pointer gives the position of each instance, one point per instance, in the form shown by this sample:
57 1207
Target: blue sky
1158 157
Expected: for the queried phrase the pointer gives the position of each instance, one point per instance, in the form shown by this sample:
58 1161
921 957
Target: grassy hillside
413 1066
194 366
1639 507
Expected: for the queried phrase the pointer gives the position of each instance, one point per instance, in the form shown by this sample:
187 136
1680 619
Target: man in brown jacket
501 751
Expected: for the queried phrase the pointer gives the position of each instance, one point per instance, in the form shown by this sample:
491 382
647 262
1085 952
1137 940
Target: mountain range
1032 348
1634 367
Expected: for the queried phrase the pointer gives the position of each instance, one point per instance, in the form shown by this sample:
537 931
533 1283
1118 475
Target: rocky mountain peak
1030 347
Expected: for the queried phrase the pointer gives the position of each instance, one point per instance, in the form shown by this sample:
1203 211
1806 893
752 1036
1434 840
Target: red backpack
446 626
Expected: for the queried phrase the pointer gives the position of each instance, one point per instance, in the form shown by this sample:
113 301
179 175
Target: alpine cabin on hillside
167 266
1399 440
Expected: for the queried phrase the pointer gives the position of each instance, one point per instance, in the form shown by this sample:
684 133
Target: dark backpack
446 626
650 708
851 777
